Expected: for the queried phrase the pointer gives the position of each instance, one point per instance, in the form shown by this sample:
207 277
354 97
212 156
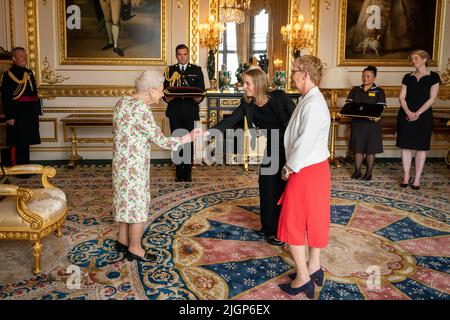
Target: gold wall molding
49 76
84 91
11 23
55 129
194 18
32 37
445 76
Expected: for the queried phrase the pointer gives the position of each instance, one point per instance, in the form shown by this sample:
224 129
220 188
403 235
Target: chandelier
234 10
298 34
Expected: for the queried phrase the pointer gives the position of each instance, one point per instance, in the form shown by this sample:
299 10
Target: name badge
372 94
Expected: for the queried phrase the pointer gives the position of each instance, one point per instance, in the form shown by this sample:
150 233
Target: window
228 51
259 32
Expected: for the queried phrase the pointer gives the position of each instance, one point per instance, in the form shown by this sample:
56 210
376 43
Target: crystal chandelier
234 10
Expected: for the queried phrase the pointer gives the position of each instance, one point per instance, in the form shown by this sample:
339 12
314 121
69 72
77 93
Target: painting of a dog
385 31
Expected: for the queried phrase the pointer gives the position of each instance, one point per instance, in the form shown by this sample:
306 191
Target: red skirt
305 211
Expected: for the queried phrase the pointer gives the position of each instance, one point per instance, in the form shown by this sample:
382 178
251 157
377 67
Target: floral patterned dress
134 129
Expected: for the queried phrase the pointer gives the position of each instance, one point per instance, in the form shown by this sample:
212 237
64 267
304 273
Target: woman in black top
366 136
415 117
271 111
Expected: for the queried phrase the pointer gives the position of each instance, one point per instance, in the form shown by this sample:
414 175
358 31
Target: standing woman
415 117
271 111
134 128
366 136
305 212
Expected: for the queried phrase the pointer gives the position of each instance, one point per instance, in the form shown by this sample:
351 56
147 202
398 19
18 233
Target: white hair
147 80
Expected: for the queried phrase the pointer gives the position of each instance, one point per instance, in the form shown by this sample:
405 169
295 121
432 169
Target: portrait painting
114 32
384 32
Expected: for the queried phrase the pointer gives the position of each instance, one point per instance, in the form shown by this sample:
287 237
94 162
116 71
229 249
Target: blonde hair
261 83
422 53
311 65
147 80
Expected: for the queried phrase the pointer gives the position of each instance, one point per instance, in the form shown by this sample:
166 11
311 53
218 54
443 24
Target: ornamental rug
385 242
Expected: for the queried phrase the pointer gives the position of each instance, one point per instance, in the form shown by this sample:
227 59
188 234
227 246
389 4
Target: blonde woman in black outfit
366 136
415 117
269 110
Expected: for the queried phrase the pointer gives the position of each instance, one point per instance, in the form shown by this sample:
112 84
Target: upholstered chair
31 214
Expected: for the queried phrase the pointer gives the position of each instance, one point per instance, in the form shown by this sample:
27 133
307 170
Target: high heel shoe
317 277
404 185
356 175
367 177
147 258
121 247
307 288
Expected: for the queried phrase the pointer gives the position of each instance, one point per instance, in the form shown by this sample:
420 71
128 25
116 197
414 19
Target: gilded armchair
31 214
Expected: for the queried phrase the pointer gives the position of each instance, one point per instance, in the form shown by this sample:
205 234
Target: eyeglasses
295 71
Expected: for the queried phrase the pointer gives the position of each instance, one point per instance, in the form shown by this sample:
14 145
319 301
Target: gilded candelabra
298 34
211 37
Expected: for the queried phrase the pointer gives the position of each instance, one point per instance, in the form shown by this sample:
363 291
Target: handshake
197 132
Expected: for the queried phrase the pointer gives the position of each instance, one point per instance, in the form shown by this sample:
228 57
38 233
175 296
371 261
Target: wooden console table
76 121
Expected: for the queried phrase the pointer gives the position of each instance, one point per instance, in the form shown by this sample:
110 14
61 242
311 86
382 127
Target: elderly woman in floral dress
134 128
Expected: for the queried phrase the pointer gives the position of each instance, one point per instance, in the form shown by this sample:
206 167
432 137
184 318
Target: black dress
416 135
366 135
274 115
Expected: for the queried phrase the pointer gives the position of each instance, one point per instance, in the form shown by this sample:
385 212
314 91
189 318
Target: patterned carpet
204 234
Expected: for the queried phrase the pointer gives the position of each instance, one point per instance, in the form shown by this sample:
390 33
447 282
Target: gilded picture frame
121 32
384 32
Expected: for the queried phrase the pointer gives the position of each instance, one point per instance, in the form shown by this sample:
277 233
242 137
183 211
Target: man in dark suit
22 109
182 112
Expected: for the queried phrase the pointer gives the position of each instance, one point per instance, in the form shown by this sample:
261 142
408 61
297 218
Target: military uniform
182 112
21 103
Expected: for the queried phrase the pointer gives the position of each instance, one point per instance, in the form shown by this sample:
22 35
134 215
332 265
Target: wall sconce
211 37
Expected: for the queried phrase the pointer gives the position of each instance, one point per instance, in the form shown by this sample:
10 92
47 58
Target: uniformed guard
366 135
22 107
182 112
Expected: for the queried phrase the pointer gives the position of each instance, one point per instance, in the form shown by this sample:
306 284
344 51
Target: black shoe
404 185
147 258
108 46
121 247
187 172
415 187
119 51
356 175
179 173
307 288
275 241
367 177
317 277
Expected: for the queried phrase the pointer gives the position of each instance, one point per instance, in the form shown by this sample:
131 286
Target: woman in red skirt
305 213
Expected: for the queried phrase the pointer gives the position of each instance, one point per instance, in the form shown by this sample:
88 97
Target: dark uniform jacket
185 108
282 106
21 103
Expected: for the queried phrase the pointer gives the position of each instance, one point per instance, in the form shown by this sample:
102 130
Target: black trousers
22 155
183 170
271 187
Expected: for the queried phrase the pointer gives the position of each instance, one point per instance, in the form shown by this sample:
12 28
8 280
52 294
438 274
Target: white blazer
306 136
